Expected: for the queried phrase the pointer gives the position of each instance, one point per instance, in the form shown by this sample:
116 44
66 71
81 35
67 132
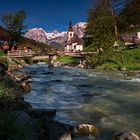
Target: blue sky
49 14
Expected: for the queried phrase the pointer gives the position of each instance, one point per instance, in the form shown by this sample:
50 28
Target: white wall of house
138 35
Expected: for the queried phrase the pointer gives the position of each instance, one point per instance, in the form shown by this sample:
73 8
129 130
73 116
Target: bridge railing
72 53
22 53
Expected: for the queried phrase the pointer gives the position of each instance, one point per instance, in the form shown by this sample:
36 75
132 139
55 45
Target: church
74 43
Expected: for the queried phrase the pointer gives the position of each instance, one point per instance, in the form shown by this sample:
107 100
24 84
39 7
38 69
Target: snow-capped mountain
37 34
41 35
55 34
79 28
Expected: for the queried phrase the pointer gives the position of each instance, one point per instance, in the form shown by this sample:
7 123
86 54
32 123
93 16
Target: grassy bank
128 59
132 59
68 60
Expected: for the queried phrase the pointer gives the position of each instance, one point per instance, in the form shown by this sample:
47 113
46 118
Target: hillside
4 35
25 42
130 16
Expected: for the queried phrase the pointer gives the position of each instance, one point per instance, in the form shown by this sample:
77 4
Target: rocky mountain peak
37 34
40 35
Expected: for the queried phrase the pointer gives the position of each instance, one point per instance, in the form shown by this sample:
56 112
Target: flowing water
110 100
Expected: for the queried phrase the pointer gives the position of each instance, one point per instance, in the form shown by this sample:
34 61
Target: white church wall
76 47
80 47
68 48
73 48
70 35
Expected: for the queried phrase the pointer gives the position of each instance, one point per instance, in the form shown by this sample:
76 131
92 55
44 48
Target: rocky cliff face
54 37
37 34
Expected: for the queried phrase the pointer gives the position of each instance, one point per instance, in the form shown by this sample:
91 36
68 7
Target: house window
70 34
75 47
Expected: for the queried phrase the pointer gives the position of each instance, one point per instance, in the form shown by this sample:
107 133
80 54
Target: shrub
7 93
4 61
16 60
2 53
28 60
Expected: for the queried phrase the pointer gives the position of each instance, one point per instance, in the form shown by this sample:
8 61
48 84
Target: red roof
5 47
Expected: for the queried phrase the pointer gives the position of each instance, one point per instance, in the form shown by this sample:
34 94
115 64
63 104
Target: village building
74 43
131 39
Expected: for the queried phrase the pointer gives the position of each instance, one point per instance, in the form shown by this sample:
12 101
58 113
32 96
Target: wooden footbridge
36 55
22 53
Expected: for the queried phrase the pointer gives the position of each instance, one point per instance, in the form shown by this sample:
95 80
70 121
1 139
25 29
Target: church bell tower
70 31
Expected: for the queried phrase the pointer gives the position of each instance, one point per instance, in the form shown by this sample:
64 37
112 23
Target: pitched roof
75 39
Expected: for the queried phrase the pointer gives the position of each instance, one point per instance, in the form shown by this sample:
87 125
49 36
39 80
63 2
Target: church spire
70 26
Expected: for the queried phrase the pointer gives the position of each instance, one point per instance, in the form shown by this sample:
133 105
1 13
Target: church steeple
70 26
70 31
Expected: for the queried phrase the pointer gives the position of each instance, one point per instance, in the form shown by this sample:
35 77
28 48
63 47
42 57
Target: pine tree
101 32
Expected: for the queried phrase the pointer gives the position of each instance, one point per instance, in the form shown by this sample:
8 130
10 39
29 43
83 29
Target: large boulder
23 118
22 105
19 77
25 87
125 136
22 78
66 136
49 129
85 129
14 105
55 130
39 113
